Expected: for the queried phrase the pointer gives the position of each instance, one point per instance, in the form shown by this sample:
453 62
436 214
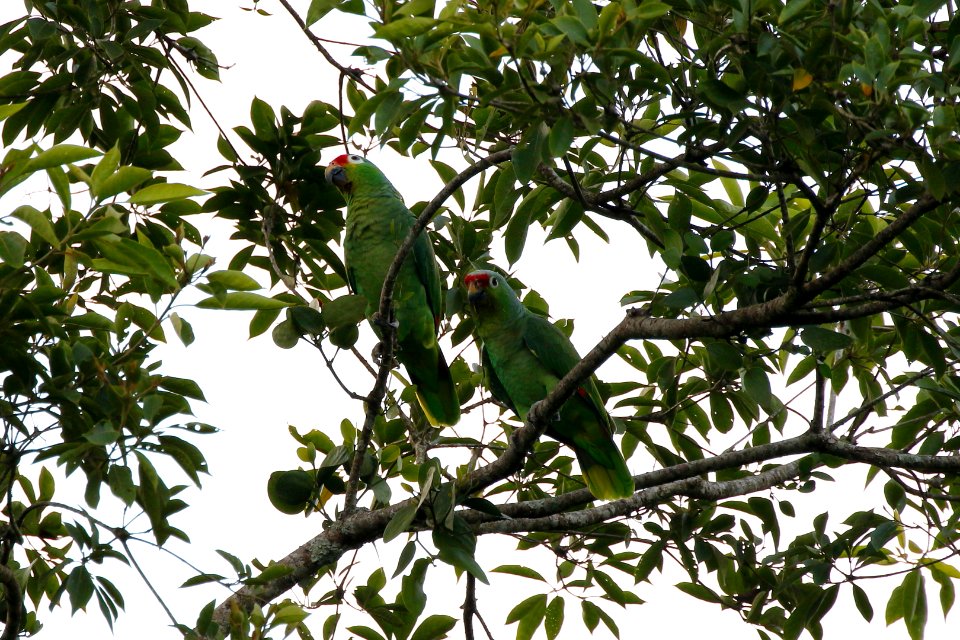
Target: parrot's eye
494 282
355 158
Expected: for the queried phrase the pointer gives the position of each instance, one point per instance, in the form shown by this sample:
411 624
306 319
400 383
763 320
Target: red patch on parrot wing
581 392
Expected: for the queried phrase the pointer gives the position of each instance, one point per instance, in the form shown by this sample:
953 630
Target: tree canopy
785 174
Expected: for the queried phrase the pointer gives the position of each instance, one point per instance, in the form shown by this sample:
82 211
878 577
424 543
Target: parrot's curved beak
475 291
336 176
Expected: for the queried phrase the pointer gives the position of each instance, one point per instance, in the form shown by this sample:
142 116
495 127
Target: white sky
255 390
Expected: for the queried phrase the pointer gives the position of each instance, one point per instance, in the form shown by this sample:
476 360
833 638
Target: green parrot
524 357
377 223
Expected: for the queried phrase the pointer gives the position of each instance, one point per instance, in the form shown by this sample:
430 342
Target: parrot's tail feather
436 391
610 480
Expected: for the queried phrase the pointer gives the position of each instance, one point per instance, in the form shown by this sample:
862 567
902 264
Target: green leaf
447 174
39 222
791 10
263 118
572 28
365 632
434 628
132 258
125 179
553 618
529 613
344 311
182 328
651 10
105 168
403 28
203 578
80 588
824 340
518 570
757 386
59 155
561 137
183 386
234 280
400 522
457 546
164 192
13 248
862 601
699 591
243 301
914 604
319 8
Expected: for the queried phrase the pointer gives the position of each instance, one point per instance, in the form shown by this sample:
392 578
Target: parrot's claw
378 320
377 355
554 418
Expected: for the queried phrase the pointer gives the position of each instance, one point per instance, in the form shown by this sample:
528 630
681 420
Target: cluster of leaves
96 251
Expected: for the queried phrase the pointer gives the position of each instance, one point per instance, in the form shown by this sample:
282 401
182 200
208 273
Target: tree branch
14 601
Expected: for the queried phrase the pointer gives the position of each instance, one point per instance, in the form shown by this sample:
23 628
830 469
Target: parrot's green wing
555 352
352 280
429 275
497 390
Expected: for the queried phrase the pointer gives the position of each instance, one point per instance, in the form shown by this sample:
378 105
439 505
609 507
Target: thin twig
355 74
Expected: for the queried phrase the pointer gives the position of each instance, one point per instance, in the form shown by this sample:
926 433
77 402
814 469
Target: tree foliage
790 168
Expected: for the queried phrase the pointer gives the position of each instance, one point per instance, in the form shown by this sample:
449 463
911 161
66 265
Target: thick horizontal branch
694 487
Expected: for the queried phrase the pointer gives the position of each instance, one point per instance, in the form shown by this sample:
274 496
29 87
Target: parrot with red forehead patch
524 356
377 223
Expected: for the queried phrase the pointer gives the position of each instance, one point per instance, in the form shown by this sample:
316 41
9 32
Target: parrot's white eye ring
354 158
494 282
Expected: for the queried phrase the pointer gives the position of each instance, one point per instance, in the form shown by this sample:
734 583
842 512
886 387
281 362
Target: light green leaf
105 168
518 570
164 192
39 222
791 10
124 179
243 301
434 627
234 280
59 155
404 28
651 10
365 632
138 259
319 8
